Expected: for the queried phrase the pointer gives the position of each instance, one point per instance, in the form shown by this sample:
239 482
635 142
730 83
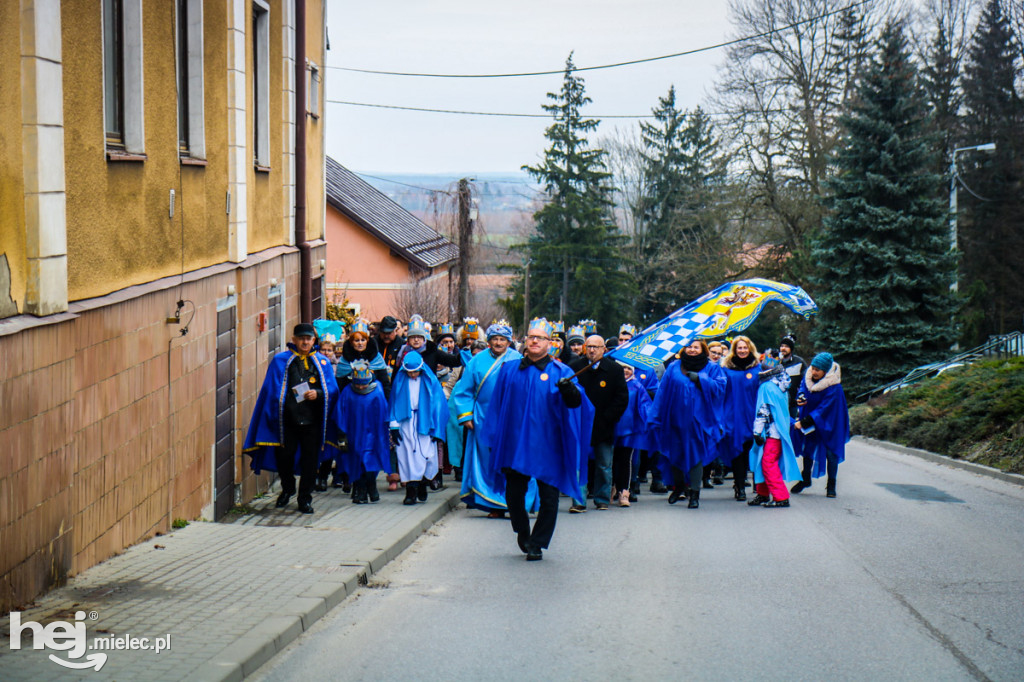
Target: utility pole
465 245
954 179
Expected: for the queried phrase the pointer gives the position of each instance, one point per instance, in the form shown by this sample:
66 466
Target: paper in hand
300 391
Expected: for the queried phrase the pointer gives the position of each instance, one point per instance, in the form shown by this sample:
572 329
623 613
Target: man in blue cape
290 427
362 413
824 422
538 426
472 400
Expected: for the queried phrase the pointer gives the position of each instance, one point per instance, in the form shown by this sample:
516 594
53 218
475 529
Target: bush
979 409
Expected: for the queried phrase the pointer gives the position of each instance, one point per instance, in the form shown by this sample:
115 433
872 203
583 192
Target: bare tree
427 298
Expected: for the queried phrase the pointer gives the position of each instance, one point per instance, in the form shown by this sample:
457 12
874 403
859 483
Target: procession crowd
520 422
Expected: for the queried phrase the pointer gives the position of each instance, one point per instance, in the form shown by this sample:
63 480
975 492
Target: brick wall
107 419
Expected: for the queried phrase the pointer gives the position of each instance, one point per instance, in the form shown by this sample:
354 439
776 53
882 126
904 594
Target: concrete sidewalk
227 596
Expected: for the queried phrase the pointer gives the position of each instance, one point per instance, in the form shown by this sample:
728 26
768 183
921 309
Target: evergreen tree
940 75
681 251
576 266
885 263
991 215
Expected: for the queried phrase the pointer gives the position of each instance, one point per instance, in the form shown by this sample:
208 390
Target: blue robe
648 378
684 419
530 429
739 410
471 400
777 401
433 408
266 426
364 419
631 430
831 425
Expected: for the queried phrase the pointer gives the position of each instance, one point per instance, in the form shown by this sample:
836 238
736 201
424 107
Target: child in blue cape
362 413
419 415
772 458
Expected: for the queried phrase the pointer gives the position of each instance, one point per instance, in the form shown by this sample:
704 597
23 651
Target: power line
471 113
631 62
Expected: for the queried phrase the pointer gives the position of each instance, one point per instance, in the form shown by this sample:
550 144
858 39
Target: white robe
417 453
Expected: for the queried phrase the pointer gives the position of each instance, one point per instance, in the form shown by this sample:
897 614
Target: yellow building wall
12 183
315 145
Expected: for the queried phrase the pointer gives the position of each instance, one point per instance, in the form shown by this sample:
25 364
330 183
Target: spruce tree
884 257
991 215
576 266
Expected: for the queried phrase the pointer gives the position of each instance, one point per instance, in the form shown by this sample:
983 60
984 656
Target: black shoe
437 482
422 487
740 494
757 499
371 491
458 474
410 493
799 487
534 554
658 488
282 500
577 508
523 538
601 506
830 493
305 508
359 493
321 484
337 483
707 485
674 496
775 504
694 500
717 480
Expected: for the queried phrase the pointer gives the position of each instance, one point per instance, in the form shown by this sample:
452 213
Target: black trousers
515 498
622 467
305 438
741 466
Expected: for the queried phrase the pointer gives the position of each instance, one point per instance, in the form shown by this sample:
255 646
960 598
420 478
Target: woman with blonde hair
741 368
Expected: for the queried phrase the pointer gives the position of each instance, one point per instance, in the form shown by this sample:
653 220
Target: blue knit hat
822 361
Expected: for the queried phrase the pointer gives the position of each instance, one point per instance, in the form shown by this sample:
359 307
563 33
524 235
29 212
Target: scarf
693 363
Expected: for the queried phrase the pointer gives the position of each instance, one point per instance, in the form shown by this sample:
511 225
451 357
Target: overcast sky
445 36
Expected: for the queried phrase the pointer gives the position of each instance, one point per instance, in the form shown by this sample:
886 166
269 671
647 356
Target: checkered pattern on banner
676 333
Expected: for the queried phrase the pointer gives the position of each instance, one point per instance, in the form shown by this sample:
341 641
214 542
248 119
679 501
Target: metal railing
1003 346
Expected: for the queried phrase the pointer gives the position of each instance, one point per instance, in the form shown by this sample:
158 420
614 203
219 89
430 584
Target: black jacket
390 351
796 368
606 388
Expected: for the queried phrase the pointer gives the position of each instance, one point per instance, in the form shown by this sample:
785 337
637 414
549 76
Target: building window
261 83
122 75
275 337
313 105
191 130
318 298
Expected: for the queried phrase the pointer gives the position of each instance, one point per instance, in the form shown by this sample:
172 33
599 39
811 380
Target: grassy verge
974 413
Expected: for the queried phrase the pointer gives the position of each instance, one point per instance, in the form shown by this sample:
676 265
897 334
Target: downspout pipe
305 256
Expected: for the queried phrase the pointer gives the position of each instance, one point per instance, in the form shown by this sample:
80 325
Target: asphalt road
913 573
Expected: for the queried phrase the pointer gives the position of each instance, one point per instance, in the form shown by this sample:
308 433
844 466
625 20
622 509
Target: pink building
381 257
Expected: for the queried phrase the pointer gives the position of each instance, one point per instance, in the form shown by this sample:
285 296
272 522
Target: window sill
191 161
261 169
119 155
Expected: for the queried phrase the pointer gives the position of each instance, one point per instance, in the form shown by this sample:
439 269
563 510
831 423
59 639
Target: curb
980 469
257 646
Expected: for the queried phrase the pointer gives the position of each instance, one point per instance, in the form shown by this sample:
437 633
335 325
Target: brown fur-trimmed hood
833 377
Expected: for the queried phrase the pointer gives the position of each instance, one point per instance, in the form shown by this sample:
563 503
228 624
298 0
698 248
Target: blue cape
777 401
530 429
343 368
648 378
684 419
266 426
831 425
739 410
364 419
433 409
631 431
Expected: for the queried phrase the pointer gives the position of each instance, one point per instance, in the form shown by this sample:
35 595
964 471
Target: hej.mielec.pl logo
72 638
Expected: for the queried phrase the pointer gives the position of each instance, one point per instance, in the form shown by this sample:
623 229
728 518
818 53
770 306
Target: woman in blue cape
772 458
741 369
631 438
684 419
825 422
471 401
419 413
362 413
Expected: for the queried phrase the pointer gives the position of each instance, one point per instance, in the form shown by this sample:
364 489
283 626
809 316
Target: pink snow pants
773 484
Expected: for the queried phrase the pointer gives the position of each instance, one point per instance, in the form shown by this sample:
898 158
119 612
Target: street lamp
953 180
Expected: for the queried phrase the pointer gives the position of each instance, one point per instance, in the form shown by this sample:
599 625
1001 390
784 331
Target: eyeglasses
534 337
